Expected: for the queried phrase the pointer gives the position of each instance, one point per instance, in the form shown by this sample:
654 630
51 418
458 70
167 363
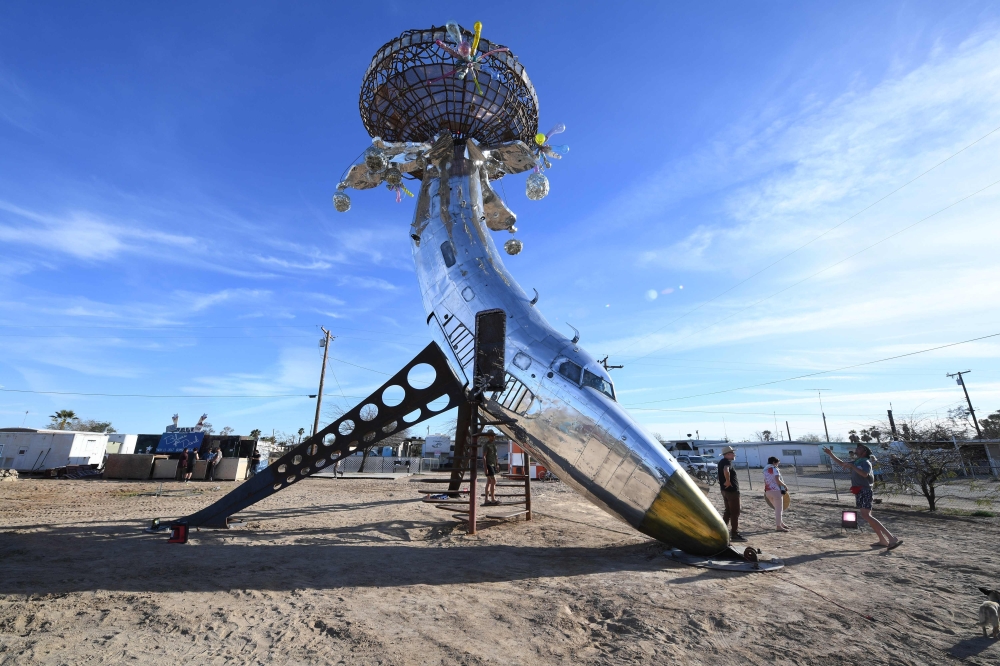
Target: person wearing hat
730 493
862 479
774 490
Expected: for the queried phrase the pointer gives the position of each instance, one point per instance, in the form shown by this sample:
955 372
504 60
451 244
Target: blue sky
166 226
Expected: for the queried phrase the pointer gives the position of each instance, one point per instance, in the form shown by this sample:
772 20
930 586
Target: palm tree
63 418
255 433
302 431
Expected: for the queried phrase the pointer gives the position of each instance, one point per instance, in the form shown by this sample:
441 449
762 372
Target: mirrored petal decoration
375 159
513 246
393 176
537 186
341 202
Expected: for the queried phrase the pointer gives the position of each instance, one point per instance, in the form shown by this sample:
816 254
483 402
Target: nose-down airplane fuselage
562 399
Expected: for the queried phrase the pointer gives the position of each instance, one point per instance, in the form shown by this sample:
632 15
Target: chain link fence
963 487
968 486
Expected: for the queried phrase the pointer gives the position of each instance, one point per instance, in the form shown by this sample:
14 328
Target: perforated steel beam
364 426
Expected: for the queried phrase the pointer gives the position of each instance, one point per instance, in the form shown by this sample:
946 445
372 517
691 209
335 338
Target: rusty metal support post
472 448
462 429
526 459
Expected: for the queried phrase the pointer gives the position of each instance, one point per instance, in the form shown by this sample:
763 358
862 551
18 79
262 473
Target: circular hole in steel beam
297 460
346 427
421 376
393 395
368 438
412 416
282 468
438 403
389 427
368 412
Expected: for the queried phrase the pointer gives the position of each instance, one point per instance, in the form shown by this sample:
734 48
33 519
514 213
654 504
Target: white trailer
121 443
27 450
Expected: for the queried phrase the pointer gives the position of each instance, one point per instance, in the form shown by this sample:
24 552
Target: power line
821 372
823 270
806 244
145 395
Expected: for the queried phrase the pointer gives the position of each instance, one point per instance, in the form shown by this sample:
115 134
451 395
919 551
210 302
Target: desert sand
361 572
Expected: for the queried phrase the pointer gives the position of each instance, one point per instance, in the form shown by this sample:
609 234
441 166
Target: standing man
254 462
491 465
862 479
190 465
213 463
730 493
182 464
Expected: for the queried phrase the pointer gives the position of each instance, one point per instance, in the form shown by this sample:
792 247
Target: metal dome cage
408 94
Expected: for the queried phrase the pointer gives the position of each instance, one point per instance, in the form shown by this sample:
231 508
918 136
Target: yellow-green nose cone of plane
681 516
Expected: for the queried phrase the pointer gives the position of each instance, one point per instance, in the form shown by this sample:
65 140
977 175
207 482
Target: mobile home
29 450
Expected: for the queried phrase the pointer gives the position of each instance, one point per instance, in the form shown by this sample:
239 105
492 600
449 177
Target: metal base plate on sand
729 560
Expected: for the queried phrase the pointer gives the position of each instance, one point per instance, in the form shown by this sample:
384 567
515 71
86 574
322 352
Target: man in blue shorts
862 478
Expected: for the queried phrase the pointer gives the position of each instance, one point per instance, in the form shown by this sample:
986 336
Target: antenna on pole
825 429
972 412
609 368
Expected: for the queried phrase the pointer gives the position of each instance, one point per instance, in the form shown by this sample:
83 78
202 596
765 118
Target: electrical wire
146 395
810 242
820 372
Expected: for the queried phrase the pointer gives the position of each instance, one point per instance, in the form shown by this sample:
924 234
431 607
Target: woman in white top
773 487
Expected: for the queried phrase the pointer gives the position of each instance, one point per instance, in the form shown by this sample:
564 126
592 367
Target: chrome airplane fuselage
561 398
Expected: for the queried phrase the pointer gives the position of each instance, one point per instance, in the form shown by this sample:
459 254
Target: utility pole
972 412
325 343
789 431
825 429
892 424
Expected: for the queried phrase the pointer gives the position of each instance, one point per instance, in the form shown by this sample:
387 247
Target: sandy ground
358 572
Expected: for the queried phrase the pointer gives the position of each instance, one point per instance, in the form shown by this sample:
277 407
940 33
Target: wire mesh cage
409 93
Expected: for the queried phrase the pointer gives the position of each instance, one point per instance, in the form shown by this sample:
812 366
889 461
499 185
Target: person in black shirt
730 493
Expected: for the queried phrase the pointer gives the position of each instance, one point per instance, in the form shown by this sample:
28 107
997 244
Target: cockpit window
599 383
570 370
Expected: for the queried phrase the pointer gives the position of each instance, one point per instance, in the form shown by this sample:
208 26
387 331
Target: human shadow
970 647
62 559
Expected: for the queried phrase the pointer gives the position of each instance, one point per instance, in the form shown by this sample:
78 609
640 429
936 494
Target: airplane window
448 252
522 361
570 370
599 383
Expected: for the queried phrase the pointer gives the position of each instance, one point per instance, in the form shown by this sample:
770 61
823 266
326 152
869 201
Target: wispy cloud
82 235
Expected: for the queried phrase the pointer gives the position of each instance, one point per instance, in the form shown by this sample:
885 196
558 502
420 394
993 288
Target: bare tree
763 435
922 467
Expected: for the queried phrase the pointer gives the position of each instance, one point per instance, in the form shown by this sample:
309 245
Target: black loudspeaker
491 339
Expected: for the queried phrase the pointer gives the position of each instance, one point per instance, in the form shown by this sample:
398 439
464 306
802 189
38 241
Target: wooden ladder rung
438 481
439 491
509 515
448 501
452 509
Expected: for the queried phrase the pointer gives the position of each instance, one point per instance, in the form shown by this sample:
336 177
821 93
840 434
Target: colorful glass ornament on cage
544 150
466 53
537 186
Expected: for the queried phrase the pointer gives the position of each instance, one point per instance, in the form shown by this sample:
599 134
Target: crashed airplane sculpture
454 114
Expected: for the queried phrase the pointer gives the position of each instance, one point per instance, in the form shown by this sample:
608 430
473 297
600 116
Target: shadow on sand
61 559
